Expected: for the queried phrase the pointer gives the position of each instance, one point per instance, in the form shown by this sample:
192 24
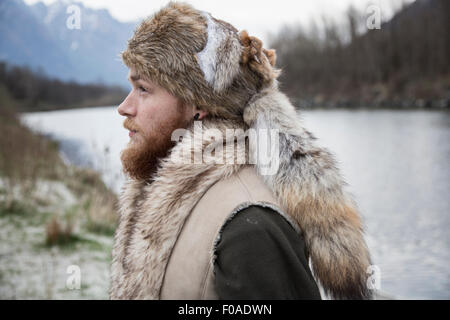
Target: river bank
53 216
317 103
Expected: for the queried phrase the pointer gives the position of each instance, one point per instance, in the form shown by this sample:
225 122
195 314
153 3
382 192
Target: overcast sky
256 16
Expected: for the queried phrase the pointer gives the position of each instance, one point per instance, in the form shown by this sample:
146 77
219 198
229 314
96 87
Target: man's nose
127 107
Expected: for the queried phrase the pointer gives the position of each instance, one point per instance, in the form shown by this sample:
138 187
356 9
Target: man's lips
132 132
130 126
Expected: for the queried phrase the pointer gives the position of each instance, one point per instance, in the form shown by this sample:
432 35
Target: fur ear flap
219 59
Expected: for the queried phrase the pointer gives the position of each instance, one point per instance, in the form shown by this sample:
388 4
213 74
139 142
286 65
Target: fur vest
302 177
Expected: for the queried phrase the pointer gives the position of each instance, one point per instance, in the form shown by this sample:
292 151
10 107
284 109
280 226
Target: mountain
38 36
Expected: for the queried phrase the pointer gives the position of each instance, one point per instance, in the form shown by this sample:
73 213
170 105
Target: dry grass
101 214
58 233
98 210
24 157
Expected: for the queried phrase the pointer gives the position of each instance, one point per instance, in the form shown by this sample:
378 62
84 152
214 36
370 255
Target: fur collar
152 214
307 184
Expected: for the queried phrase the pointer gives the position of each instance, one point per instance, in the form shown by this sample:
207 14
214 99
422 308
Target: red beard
141 158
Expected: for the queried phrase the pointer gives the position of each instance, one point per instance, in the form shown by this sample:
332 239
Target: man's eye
142 89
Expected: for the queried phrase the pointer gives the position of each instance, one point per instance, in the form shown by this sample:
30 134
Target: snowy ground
30 269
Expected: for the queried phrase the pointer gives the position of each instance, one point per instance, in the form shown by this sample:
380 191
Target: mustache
130 125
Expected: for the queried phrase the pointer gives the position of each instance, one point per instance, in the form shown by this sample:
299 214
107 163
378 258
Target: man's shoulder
259 221
244 186
243 194
260 255
259 215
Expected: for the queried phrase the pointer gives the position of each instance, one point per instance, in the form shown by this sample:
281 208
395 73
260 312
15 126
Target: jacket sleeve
261 256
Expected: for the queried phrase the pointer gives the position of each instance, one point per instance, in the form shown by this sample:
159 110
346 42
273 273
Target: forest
33 90
403 64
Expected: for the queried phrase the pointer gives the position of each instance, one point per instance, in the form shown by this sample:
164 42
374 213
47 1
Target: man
197 222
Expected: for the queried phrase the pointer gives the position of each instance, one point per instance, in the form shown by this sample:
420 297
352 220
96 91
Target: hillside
33 91
405 64
37 36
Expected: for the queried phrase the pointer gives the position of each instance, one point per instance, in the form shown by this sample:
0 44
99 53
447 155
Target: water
396 164
88 137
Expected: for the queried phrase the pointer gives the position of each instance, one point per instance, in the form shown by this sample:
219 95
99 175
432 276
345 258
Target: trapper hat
202 60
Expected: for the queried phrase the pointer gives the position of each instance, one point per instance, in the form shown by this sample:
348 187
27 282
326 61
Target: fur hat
200 59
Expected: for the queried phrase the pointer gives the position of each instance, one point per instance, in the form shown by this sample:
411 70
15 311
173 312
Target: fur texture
237 83
198 58
152 215
219 59
311 190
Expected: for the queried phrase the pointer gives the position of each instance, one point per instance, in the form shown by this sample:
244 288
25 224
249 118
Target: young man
197 222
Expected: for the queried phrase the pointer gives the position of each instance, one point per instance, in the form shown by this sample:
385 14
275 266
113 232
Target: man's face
152 115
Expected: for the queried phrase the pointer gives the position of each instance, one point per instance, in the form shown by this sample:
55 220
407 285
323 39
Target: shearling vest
189 273
164 244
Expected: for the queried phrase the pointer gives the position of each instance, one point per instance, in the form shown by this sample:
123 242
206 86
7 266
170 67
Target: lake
395 162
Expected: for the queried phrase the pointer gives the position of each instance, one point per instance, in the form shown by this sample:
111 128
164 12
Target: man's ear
192 110
202 113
